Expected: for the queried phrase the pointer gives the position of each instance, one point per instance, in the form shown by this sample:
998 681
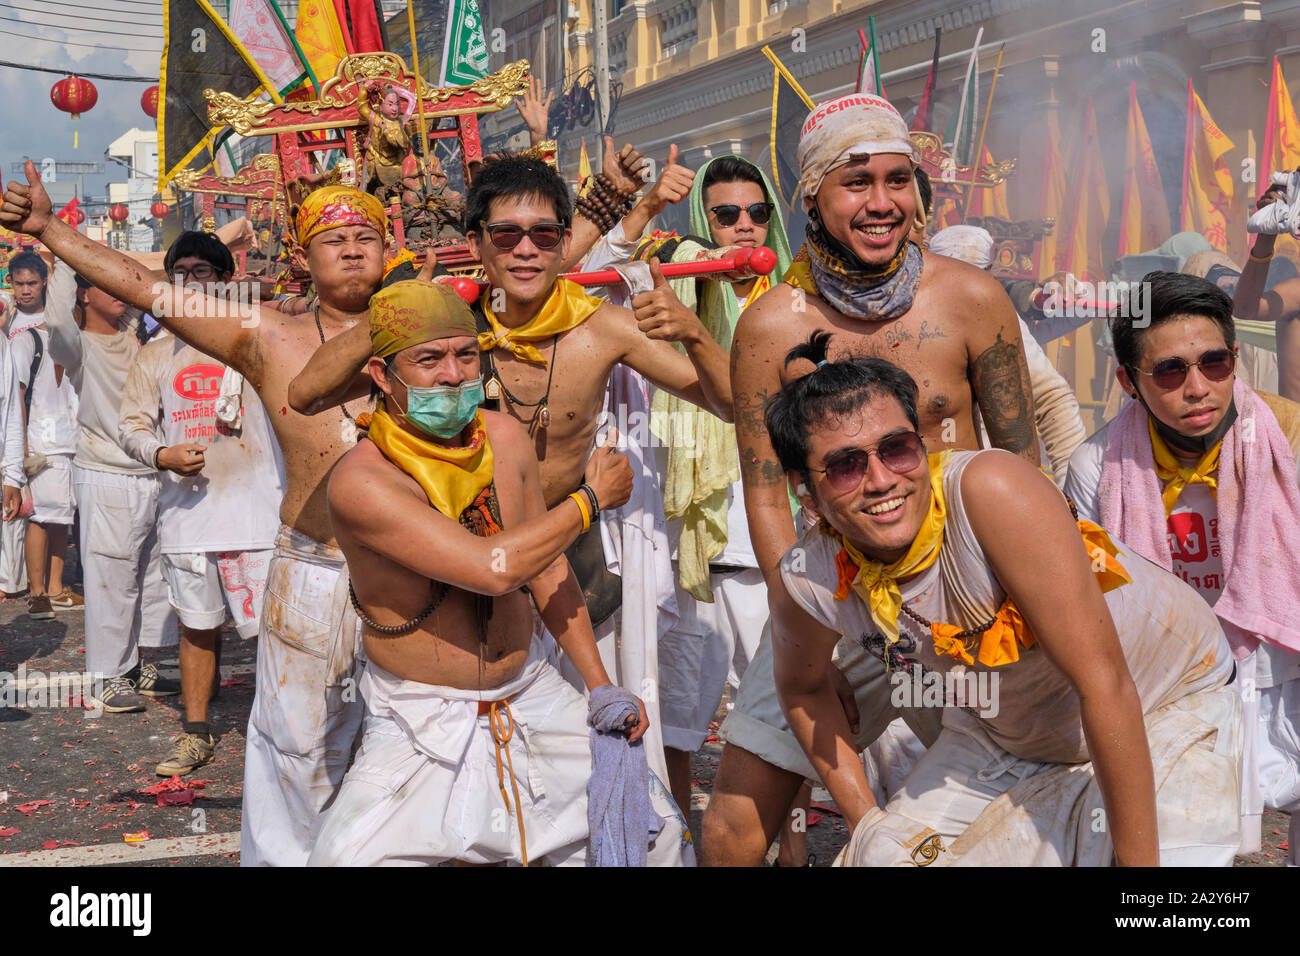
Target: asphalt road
71 783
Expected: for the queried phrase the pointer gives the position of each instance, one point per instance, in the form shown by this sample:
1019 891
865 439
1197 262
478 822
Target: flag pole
875 57
979 150
419 98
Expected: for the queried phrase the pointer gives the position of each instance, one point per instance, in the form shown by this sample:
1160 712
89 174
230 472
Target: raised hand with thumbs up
660 314
27 208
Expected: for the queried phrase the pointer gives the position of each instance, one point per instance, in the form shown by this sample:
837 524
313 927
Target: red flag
360 26
925 111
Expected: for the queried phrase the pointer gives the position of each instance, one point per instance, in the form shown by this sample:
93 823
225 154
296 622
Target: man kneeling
474 748
1049 646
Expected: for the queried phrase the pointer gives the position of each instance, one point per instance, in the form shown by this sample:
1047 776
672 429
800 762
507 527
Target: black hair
201 245
1167 296
926 188
30 261
732 169
830 390
512 177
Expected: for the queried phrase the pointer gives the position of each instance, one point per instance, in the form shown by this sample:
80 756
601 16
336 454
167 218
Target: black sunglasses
507 235
1216 365
899 453
201 271
729 215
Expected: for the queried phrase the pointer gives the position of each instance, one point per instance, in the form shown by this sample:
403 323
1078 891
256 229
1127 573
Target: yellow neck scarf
451 477
1170 469
876 583
565 308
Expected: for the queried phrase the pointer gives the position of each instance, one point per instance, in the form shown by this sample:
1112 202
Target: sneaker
39 608
152 684
69 600
189 752
118 696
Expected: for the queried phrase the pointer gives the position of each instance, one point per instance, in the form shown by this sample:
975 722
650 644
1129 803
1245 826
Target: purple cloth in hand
621 819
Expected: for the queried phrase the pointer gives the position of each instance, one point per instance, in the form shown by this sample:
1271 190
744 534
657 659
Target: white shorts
201 585
711 645
52 493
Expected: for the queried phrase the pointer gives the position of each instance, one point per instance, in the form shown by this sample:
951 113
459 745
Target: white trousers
126 597
1278 742
710 646
968 802
301 730
13 555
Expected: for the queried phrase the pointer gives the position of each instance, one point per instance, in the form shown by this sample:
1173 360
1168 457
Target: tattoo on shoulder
1003 396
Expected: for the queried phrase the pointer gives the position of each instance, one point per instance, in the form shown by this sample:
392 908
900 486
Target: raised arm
60 300
702 376
999 375
624 170
210 325
334 374
1071 620
755 376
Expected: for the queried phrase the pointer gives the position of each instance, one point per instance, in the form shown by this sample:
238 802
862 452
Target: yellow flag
1051 203
1087 207
989 202
1281 151
320 37
1209 205
584 169
1144 222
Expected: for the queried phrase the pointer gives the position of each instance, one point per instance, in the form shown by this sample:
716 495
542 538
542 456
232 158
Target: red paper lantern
118 213
78 217
149 102
160 210
74 95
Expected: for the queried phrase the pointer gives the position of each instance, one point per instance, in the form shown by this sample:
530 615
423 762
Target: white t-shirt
52 421
21 321
233 504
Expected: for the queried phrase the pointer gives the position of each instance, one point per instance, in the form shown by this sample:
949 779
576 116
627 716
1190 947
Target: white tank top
1170 637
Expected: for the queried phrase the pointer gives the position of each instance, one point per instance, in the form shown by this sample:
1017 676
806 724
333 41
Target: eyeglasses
729 215
507 235
1216 365
899 453
201 271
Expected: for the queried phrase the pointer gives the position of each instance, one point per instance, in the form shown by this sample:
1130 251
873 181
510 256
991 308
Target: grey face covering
856 290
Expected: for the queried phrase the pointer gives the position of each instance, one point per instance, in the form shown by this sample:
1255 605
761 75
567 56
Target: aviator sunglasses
899 453
729 214
1216 365
507 235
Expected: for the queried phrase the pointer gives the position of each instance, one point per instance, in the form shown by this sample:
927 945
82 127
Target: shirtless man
297 749
457 570
946 323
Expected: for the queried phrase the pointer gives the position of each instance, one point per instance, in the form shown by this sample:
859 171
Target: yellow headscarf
452 477
411 312
566 308
1170 469
876 583
332 206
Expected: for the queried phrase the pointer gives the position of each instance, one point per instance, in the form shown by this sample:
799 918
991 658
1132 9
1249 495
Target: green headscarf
700 473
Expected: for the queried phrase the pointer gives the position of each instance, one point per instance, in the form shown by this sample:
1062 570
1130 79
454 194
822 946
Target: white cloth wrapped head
970 244
856 126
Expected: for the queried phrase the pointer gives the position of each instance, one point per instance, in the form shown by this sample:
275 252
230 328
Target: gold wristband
1255 258
582 507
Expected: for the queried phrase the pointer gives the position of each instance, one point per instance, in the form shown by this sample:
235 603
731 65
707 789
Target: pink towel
1261 568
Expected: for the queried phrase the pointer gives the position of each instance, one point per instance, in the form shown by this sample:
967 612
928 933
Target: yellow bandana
1001 643
566 308
1168 467
452 477
876 583
332 206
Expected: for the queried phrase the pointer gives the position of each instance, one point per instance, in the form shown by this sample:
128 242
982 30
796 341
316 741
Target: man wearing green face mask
458 573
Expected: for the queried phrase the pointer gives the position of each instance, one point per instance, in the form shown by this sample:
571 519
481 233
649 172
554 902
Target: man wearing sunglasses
948 324
1198 474
1076 681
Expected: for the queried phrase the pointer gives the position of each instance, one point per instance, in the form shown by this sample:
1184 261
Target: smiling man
297 746
1103 682
948 324
1198 475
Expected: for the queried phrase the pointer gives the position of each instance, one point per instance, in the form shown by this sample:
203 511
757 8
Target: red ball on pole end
465 287
761 260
